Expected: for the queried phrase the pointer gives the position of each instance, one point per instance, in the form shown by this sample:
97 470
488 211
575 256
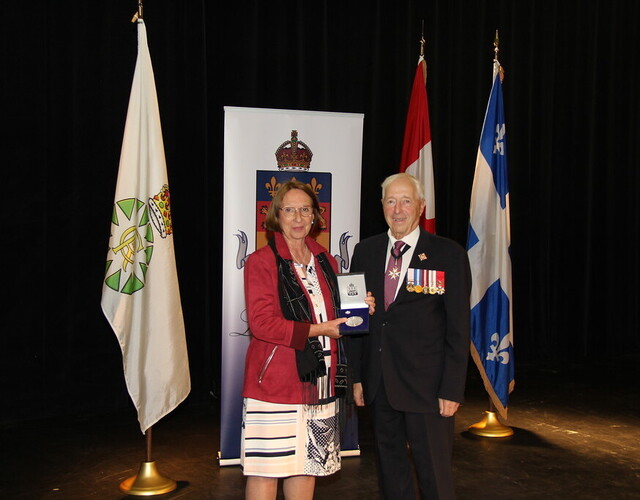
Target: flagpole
416 158
148 481
490 425
148 437
138 13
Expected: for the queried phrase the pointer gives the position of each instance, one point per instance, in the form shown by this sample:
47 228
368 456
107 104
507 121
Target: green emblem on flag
132 246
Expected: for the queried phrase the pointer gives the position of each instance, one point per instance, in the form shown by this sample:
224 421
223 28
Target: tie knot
395 251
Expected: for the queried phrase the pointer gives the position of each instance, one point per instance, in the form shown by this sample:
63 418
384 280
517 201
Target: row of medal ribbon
427 281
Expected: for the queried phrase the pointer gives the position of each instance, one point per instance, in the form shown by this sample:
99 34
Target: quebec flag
488 247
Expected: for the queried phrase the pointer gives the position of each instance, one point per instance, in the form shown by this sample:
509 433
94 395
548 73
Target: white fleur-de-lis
499 352
499 144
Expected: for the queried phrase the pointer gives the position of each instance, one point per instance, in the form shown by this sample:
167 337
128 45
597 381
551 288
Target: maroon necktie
392 274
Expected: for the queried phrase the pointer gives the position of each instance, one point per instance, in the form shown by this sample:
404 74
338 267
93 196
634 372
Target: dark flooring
576 436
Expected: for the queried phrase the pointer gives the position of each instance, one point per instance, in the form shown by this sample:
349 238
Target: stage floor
576 436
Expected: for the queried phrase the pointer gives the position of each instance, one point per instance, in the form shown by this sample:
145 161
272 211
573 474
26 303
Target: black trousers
429 437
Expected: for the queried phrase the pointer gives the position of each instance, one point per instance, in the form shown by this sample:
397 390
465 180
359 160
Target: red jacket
270 372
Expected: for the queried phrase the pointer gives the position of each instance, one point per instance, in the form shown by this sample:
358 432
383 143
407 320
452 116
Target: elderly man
411 367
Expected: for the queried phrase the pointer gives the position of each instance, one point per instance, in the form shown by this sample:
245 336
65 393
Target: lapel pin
422 256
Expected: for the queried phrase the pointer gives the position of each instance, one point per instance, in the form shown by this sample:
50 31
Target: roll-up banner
262 149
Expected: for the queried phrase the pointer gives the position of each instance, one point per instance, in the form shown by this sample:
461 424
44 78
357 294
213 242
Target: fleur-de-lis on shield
315 185
272 186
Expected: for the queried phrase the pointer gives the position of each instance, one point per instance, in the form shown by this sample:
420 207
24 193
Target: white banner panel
251 174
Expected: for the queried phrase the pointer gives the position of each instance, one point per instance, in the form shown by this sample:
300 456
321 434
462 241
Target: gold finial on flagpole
496 50
138 14
422 42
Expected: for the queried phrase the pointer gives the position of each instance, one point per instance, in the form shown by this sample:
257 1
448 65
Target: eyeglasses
290 212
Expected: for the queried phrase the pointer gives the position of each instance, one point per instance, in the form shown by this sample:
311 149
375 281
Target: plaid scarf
295 306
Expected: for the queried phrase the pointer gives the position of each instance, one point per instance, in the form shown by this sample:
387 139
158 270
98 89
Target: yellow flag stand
490 426
148 481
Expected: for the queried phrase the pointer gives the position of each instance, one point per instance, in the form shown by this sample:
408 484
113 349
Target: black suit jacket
420 345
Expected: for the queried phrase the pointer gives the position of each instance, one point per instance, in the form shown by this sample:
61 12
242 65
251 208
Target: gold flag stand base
148 482
490 426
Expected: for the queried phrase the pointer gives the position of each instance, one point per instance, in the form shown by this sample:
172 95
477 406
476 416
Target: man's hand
447 408
358 395
370 300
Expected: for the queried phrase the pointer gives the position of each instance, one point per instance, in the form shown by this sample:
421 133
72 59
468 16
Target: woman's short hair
272 222
403 175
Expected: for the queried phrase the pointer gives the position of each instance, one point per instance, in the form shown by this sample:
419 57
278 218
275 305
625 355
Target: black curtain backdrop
573 134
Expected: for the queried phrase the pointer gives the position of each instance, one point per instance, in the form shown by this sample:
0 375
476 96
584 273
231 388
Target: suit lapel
421 248
379 256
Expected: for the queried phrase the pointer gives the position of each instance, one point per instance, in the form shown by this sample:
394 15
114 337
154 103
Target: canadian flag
416 150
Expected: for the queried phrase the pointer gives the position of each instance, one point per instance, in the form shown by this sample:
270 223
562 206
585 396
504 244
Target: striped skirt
282 440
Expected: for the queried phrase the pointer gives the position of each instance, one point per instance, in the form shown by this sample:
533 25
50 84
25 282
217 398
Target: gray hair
403 175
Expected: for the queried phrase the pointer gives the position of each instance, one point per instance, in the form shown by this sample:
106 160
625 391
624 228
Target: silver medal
354 321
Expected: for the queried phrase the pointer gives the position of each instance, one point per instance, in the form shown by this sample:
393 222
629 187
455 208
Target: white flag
140 293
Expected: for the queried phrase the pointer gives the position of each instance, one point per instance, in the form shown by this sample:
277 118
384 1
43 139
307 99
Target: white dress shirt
410 239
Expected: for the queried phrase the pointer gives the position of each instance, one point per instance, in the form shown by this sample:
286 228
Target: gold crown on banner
161 212
293 154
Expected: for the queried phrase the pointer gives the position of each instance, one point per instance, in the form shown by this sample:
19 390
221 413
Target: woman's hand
328 328
370 300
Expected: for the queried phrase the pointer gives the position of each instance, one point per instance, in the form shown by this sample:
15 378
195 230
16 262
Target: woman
290 421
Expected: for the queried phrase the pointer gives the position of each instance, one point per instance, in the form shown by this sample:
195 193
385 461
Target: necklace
303 261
